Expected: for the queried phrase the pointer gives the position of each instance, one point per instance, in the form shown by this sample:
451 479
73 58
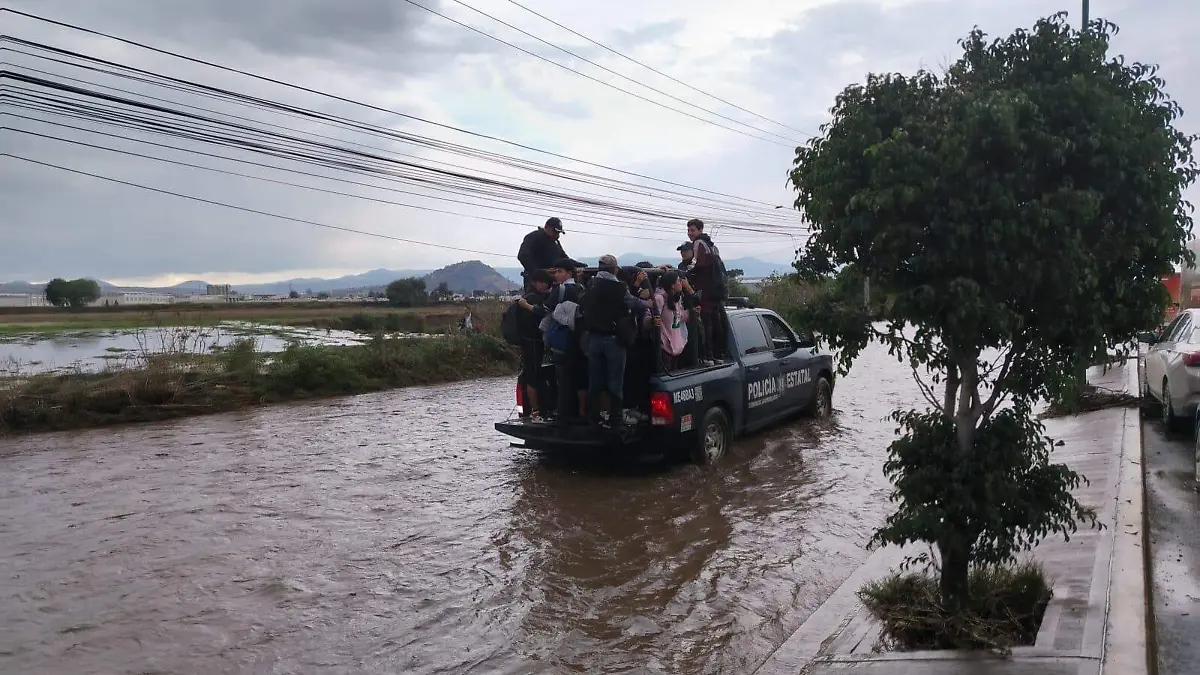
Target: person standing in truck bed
701 274
540 249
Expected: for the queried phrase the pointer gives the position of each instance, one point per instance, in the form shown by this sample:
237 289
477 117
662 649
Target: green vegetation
1019 210
74 293
1004 610
182 384
407 293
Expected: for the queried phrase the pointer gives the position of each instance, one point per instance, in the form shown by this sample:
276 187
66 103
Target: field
435 319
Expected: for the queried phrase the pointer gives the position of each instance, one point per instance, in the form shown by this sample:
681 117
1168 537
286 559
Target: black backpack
719 289
510 324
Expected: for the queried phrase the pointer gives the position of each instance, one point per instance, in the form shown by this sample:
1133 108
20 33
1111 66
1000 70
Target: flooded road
28 353
398 533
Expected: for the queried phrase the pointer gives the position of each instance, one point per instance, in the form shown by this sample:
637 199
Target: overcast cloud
785 61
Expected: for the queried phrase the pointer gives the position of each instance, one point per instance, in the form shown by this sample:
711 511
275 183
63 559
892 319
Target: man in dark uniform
540 249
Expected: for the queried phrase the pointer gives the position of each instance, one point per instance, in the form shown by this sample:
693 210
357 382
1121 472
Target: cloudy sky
782 61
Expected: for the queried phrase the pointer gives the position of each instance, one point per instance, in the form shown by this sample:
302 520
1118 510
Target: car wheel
821 406
713 439
1196 447
1169 419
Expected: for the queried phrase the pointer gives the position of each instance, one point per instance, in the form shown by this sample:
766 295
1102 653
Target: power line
308 174
154 79
109 116
580 73
613 72
655 70
130 153
250 210
368 106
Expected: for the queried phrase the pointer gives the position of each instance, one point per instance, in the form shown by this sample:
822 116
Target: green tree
442 292
1019 208
74 294
407 293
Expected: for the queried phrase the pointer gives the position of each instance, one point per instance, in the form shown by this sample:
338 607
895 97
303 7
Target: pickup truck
775 374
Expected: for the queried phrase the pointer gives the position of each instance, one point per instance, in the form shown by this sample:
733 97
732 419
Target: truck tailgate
549 434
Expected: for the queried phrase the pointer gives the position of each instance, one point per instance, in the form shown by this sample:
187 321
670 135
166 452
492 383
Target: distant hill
463 277
469 276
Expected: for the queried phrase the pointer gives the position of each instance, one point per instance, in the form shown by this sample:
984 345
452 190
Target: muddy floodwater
399 533
93 350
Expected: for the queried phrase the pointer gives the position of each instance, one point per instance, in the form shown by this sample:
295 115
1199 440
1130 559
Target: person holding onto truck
686 255
672 302
609 308
533 349
570 366
540 249
703 274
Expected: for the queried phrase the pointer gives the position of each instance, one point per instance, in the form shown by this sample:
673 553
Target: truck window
748 331
781 337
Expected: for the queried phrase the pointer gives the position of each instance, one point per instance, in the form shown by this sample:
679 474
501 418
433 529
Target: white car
1172 371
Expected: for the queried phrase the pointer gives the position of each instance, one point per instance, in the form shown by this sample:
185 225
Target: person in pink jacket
674 301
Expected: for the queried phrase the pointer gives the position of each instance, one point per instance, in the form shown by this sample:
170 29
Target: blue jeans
606 366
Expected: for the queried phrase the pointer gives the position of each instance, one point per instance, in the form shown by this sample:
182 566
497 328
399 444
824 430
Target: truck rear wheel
713 437
821 406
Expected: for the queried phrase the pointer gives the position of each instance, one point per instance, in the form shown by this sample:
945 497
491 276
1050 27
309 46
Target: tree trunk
955 545
956 567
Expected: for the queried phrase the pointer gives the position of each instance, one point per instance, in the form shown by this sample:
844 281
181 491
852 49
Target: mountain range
463 277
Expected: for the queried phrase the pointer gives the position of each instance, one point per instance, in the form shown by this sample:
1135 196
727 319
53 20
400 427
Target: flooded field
99 349
399 533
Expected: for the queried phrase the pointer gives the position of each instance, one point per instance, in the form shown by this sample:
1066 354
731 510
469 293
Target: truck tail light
1191 359
662 412
520 399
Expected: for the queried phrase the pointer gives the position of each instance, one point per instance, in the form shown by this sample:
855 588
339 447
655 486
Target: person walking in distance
703 274
540 249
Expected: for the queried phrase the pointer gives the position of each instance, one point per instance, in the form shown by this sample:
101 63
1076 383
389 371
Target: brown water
399 533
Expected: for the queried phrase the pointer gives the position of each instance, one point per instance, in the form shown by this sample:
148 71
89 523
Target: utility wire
369 106
250 210
153 79
612 72
597 80
655 70
130 153
193 151
109 116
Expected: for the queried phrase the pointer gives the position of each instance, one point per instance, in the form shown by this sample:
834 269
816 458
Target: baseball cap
686 246
556 224
608 260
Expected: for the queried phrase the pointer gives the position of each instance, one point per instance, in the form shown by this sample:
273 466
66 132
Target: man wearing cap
606 303
570 370
687 251
540 249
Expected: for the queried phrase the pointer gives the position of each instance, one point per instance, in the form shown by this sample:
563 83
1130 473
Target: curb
1127 647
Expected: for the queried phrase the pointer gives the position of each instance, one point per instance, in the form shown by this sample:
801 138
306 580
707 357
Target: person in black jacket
606 304
533 349
540 249
570 370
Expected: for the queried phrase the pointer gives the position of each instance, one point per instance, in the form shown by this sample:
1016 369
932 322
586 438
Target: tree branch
998 389
926 390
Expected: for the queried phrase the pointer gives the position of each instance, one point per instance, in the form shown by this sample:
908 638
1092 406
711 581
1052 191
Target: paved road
1175 546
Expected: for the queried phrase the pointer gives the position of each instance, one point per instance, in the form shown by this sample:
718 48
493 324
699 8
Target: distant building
133 298
22 300
218 289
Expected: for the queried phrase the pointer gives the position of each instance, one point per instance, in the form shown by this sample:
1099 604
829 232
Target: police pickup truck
774 375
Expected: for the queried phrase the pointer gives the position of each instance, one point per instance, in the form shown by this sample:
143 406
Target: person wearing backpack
570 368
708 276
530 310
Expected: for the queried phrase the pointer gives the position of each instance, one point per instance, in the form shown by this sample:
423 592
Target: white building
134 298
22 300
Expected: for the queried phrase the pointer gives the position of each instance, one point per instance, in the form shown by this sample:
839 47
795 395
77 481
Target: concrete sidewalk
1099 577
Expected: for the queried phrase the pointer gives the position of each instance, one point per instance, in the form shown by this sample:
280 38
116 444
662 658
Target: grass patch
1005 609
178 384
22 321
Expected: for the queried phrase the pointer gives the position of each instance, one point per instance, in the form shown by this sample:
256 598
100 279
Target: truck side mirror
806 342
